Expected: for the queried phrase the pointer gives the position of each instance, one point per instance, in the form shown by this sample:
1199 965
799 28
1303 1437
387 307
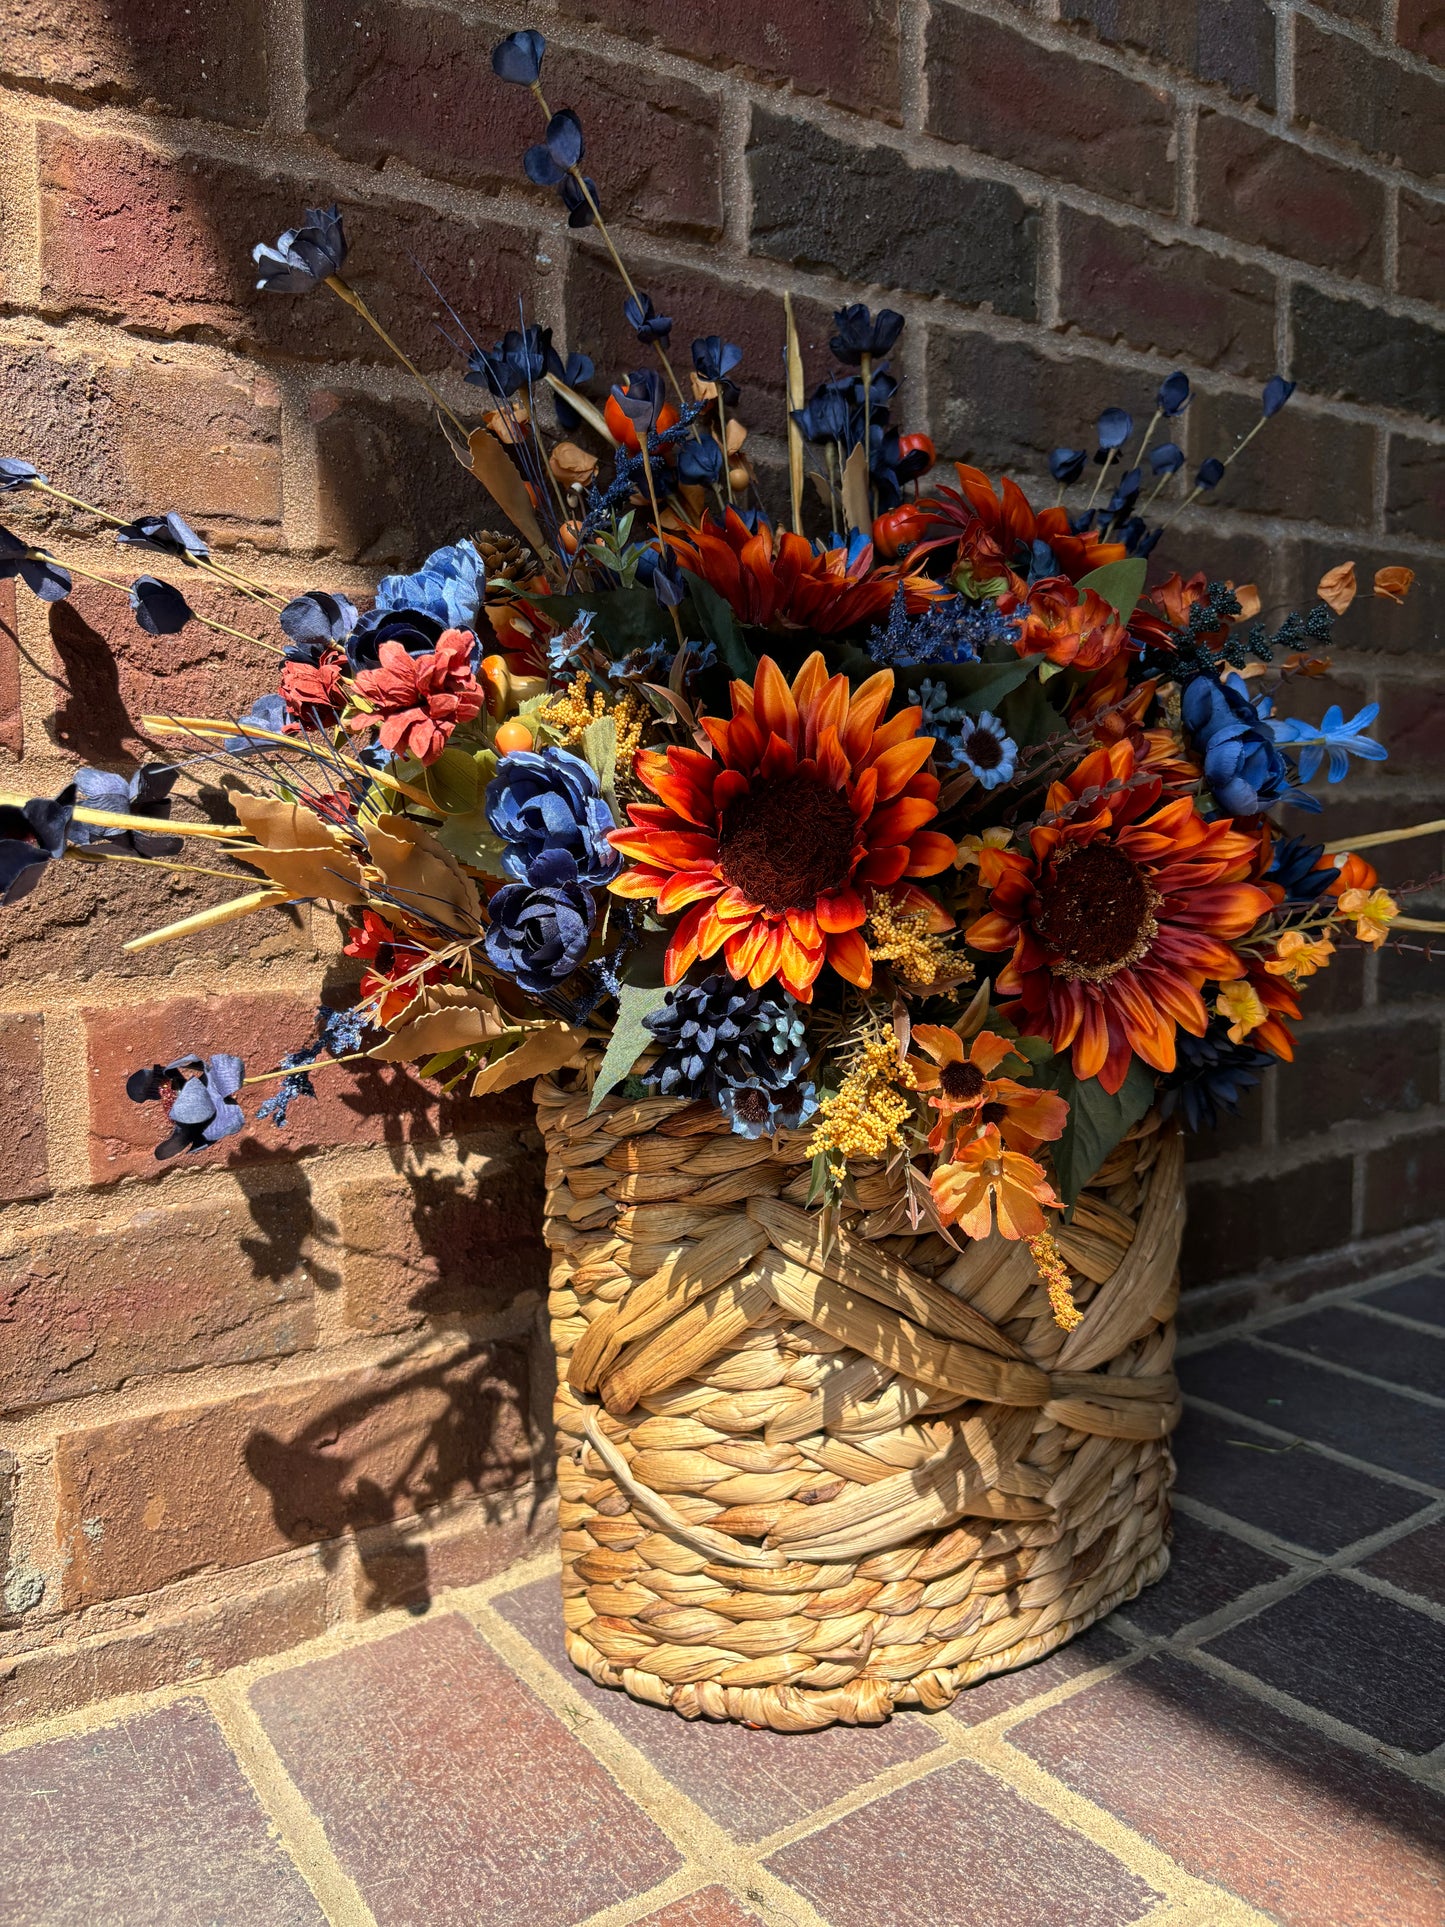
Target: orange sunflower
773 844
1118 915
990 530
968 1095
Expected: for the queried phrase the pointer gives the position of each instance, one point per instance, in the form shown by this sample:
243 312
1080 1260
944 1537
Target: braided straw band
805 1482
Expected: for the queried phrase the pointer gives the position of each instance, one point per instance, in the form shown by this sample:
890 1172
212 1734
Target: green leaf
1120 583
715 618
1097 1121
472 839
454 782
622 619
977 685
1028 715
599 747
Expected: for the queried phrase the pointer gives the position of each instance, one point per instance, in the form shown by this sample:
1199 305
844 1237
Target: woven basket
806 1483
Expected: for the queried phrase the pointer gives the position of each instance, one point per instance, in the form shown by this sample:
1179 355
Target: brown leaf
796 398
331 874
440 1030
856 511
540 1051
1337 587
1394 583
282 826
422 876
497 476
573 466
1247 596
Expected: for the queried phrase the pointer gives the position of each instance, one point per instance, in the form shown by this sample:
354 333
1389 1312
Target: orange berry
513 735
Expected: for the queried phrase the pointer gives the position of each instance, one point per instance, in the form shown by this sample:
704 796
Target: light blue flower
984 747
1331 737
449 586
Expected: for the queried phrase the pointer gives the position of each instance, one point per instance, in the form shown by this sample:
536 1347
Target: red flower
392 957
1072 630
421 699
312 690
989 530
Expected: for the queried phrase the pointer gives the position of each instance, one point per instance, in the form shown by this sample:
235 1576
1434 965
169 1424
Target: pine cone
506 556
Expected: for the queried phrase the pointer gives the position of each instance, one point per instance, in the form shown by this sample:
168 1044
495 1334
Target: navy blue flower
701 462
521 357
714 359
1211 473
576 373
449 587
538 931
204 1109
36 570
1115 426
827 417
644 320
518 58
641 398
1066 465
1173 396
737 1048
1243 765
1166 459
1209 1076
416 630
1293 868
147 793
159 607
1277 392
543 801
31 835
860 333
318 617
668 584
15 473
268 712
303 257
580 205
171 534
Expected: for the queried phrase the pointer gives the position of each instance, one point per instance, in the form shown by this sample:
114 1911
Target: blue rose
538 931
546 800
1243 766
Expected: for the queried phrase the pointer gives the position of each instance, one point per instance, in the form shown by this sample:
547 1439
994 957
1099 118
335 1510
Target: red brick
1006 1691
150 1819
1348 348
708 1907
88 1307
1373 627
409 1566
12 723
1415 1564
1387 109
1420 267
147 1500
415 1246
1072 119
390 81
846 50
152 239
1118 284
1412 722
1420 26
426 1737
194 1644
1240 1224
1231 43
177 60
24 1169
1306 465
1274 194
1311 1832
1405 1183
354 1104
390 488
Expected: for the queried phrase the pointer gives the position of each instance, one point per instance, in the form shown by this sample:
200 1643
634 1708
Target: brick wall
249 1397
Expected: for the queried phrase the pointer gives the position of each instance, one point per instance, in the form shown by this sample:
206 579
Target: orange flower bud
513 735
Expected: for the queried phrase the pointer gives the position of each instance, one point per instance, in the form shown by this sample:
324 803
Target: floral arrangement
921 822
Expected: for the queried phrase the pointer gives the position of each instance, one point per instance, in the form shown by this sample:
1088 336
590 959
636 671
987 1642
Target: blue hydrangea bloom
541 801
449 586
734 1047
204 1109
538 931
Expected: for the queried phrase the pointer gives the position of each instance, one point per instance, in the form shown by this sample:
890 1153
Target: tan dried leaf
540 1051
1247 596
497 476
573 466
1394 583
283 826
332 874
1337 587
439 1030
422 876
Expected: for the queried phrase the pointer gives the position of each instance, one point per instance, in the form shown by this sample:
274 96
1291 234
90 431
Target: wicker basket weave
802 1483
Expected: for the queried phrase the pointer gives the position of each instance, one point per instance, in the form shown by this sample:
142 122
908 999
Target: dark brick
1241 1133
1365 13
148 1820
846 50
1414 1564
390 488
1292 1491
1405 1183
1420 26
417 84
864 213
1307 465
188 60
751 1781
24 1166
1274 194
1374 1345
1118 284
1230 42
1338 1075
12 722
1207 1570
1362 1659
1003 405
1371 626
149 239
146 1500
89 1307
1312 1832
1415 488
1345 349
1007 1691
1420 268
427 1737
1389 110
1380 1427
1071 119
1405 975
993 1860
1422 1298
1239 1225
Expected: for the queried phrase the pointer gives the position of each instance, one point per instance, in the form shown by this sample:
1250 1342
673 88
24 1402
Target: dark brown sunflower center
1096 909
993 1114
787 842
964 1082
983 749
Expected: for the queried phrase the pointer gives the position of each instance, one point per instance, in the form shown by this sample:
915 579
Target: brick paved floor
1261 1737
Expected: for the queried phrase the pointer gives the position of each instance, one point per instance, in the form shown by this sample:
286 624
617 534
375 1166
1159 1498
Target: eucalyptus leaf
453 782
471 839
977 685
1097 1120
599 747
1120 583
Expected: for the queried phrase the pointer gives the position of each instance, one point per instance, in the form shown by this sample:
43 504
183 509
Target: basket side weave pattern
804 1481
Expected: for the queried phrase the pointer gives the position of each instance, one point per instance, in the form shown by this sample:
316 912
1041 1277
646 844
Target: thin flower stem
722 422
353 300
1346 844
123 588
867 370
232 576
1148 435
86 853
350 1057
1109 455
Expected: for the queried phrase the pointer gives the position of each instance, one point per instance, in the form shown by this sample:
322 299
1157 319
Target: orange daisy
1117 916
985 1178
773 844
967 1091
1071 630
991 530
